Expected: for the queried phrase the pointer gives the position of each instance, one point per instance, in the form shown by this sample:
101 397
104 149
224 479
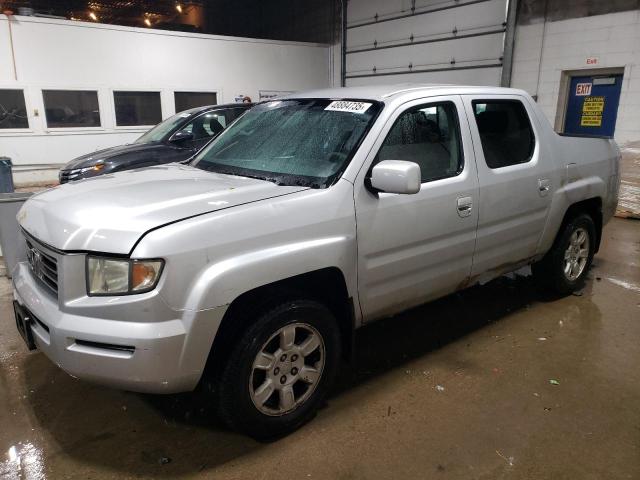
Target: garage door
444 41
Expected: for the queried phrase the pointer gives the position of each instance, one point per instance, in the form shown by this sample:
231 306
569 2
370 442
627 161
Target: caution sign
592 110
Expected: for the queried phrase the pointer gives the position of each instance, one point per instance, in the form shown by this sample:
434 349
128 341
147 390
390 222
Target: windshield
157 133
291 142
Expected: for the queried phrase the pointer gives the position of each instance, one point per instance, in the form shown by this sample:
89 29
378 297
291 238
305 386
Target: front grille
44 266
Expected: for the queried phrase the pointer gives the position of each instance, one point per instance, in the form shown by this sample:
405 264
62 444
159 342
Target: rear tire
564 268
280 370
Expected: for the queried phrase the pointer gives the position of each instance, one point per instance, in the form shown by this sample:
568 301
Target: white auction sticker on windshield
346 106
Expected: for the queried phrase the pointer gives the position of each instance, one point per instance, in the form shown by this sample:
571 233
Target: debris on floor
509 460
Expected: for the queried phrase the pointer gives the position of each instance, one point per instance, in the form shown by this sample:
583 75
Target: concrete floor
629 201
459 388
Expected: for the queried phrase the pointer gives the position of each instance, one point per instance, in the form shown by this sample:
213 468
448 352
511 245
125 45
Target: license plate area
23 324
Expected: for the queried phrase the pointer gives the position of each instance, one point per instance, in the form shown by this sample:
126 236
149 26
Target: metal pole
13 52
509 42
343 42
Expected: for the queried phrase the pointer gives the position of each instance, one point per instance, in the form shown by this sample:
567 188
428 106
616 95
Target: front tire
280 370
565 266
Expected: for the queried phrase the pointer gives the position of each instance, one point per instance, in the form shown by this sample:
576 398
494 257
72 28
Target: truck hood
111 212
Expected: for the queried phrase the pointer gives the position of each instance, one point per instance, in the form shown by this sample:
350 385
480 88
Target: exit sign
592 60
583 89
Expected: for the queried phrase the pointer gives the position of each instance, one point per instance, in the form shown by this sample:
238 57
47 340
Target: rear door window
505 132
210 124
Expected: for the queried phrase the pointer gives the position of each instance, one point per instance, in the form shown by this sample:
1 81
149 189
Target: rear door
413 248
516 183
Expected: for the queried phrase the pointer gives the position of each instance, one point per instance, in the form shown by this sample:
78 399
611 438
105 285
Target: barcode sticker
345 106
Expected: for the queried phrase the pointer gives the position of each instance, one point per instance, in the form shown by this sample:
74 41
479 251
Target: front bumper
130 352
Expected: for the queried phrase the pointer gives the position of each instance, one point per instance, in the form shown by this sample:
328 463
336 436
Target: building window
137 108
505 131
13 111
187 100
428 135
71 108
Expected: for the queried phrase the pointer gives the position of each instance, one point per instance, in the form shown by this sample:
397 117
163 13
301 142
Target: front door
413 248
593 105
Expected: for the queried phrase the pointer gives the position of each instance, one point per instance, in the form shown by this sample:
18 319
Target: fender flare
220 283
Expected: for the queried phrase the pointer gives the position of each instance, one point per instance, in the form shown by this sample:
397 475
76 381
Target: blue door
593 105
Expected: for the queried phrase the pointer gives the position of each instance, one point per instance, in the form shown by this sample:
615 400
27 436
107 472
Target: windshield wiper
223 171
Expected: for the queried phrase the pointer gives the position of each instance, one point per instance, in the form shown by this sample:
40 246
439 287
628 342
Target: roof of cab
386 92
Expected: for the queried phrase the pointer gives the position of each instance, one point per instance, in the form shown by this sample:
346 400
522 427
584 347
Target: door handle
543 186
465 206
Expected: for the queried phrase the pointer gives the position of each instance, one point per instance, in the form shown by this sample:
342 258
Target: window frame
475 100
43 115
217 93
27 107
200 115
135 128
421 106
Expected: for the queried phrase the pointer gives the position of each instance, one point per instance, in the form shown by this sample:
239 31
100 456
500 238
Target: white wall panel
67 55
466 17
364 10
471 18
468 51
484 76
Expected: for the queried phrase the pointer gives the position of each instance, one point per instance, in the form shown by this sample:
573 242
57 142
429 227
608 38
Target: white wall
66 55
465 17
543 52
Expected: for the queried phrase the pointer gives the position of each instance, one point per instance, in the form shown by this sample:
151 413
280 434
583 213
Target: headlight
111 276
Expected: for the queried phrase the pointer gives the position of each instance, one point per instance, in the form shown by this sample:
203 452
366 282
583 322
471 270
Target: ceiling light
147 22
93 16
179 7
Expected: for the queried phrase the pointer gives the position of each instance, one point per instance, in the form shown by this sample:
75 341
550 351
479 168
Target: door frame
565 84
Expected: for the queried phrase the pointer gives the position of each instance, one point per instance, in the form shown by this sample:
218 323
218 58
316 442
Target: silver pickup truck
246 272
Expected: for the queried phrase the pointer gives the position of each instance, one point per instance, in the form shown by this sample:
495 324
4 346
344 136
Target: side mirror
181 136
396 176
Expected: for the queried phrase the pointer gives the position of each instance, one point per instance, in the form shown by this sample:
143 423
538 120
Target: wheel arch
593 208
326 285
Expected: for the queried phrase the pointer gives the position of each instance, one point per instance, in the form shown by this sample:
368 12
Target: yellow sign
592 110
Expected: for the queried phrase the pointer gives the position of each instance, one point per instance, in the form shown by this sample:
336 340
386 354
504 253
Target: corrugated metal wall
450 41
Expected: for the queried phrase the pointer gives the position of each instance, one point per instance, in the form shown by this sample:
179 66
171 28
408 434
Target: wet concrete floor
460 388
629 201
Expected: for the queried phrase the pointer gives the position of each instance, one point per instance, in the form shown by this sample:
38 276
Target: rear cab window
505 132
